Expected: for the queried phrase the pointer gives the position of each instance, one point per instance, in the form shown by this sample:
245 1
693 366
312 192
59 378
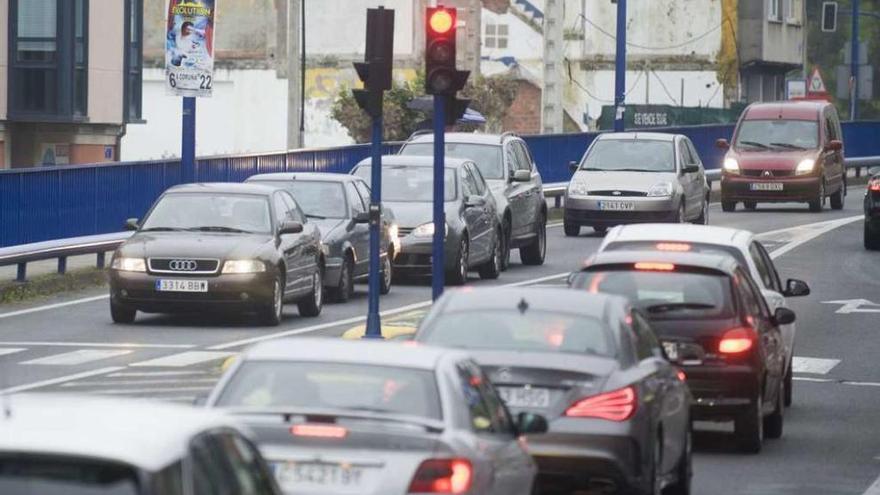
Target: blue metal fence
46 203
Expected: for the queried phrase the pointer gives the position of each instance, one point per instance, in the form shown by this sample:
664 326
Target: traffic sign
815 84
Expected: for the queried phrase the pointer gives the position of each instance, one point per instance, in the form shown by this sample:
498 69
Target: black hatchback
712 320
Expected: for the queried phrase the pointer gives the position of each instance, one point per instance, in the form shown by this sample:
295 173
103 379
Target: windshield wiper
662 308
788 145
162 229
217 228
755 144
593 169
634 170
316 217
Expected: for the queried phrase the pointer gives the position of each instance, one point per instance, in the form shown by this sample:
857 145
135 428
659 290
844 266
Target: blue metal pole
854 62
188 140
374 327
438 261
620 68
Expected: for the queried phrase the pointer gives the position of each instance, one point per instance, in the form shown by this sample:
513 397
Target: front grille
184 266
617 193
773 173
404 231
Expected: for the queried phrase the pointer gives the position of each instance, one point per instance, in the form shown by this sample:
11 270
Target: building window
795 11
496 36
134 59
775 13
49 58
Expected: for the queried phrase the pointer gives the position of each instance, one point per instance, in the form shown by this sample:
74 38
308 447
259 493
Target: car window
293 209
777 133
751 297
763 270
169 481
486 156
478 408
245 465
354 199
282 211
695 157
209 470
364 191
410 184
210 212
22 474
684 154
639 155
528 154
478 181
511 158
646 342
774 275
522 157
467 182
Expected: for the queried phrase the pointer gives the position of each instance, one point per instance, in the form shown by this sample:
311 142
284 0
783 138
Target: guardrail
60 249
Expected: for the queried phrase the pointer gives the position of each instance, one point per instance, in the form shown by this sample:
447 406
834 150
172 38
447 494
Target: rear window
319 385
487 157
778 134
664 294
531 330
317 198
24 475
692 247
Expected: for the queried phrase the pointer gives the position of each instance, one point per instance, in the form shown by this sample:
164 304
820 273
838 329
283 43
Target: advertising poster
189 47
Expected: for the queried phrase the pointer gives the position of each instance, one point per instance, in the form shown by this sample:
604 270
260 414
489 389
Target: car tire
789 386
491 269
458 276
749 427
684 470
273 312
750 205
571 230
872 237
728 206
534 253
601 229
774 423
836 199
505 246
122 314
703 219
387 274
818 204
342 292
312 305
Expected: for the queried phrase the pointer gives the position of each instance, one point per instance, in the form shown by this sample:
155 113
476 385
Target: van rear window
777 135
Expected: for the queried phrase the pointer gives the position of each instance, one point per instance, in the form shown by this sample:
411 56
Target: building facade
772 43
70 79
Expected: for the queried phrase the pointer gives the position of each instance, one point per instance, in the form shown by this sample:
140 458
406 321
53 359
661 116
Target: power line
654 48
663 85
590 94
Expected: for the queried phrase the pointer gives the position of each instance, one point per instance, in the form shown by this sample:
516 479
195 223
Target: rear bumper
721 392
739 188
586 211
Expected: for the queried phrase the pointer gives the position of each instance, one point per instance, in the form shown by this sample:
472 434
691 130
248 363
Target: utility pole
294 75
554 32
854 63
620 68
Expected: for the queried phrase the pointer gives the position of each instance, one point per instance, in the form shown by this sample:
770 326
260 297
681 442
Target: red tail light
874 185
736 341
657 267
318 431
442 476
618 405
682 376
679 247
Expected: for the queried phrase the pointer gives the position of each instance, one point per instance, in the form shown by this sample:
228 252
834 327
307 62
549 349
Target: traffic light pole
188 140
374 329
438 261
620 68
854 63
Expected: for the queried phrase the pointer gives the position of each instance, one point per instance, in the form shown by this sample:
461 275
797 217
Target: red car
784 152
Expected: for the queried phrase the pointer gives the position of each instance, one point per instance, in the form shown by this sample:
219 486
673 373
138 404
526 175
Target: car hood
771 160
194 244
328 225
628 181
409 215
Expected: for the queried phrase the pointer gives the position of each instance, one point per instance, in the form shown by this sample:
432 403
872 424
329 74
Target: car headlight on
427 230
578 187
129 264
731 166
662 189
805 167
244 266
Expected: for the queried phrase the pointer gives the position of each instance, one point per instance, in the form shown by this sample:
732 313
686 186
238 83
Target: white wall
523 42
336 27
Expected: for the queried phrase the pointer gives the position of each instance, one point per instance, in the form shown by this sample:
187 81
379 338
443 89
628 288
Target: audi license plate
765 186
177 285
525 397
617 205
313 477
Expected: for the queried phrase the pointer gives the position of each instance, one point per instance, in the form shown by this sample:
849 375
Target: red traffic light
441 21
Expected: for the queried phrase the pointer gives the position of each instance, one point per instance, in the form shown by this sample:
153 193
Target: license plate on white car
311 477
766 186
617 205
178 285
525 397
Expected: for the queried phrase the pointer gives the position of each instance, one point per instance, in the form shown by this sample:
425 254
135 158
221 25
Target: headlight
244 266
731 166
578 187
393 231
129 264
427 230
660 190
805 167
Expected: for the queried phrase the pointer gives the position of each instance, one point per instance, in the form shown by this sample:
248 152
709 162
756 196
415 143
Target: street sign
795 89
815 84
189 48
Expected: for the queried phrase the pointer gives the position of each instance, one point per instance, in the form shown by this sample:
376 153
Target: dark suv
509 169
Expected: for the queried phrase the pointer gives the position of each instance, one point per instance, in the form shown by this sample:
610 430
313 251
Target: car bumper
872 209
739 188
721 392
587 211
416 256
226 293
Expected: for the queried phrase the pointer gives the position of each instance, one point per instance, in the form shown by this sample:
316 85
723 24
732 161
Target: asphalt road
831 443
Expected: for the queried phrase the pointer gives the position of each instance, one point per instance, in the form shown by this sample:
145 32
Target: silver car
636 177
335 416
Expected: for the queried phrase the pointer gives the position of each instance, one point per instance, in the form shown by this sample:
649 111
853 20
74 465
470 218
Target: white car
741 244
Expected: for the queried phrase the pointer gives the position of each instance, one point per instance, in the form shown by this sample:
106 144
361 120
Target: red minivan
784 152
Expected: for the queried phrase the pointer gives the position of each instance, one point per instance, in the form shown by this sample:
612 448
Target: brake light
318 431
618 405
651 266
682 377
442 476
678 247
736 341
874 184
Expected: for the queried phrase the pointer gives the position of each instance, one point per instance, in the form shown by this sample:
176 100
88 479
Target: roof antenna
523 306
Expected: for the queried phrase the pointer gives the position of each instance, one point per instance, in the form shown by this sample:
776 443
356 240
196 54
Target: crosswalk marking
815 366
151 374
159 391
77 357
129 383
183 359
10 350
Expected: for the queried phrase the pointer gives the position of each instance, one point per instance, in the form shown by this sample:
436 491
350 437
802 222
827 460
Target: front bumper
800 189
586 211
721 391
226 293
416 255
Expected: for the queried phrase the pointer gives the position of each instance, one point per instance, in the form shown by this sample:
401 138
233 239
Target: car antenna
523 306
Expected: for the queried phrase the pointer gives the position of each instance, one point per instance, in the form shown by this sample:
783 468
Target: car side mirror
796 288
131 224
290 227
530 423
362 217
690 169
722 144
574 166
783 316
834 145
521 176
475 201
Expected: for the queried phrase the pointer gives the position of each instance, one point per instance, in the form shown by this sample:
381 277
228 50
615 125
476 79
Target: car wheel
773 424
600 229
684 470
728 206
749 426
571 230
273 312
836 199
122 314
387 274
458 276
872 237
505 244
343 291
534 253
491 269
817 204
312 305
703 219
750 205
789 386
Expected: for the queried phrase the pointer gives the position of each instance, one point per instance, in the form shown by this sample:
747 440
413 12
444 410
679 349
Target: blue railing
46 203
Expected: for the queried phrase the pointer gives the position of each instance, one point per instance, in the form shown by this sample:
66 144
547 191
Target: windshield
777 134
410 184
692 247
210 212
267 384
21 475
610 155
662 294
487 157
316 198
533 330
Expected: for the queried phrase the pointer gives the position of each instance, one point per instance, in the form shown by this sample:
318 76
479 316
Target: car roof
363 352
304 176
652 136
561 300
223 188
703 234
464 137
415 161
794 110
717 262
144 434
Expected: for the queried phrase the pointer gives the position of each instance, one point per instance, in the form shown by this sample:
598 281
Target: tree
492 97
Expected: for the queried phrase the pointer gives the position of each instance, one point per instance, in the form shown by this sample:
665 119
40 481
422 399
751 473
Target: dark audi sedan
219 247
711 319
590 364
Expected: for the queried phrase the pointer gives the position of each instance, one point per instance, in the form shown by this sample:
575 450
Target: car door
702 183
833 159
773 294
515 192
290 245
221 465
302 263
532 189
476 218
688 181
359 233
769 335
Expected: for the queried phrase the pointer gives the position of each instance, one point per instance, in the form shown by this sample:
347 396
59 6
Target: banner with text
189 47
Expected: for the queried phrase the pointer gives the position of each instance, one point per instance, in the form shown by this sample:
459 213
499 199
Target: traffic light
829 17
375 71
441 76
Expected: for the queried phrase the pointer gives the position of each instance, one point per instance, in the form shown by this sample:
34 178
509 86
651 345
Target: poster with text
189 47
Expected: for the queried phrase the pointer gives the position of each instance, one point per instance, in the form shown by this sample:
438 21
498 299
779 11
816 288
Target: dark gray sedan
373 418
473 234
338 204
618 411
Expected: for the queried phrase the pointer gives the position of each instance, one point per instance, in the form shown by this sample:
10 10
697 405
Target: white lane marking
808 379
74 358
874 489
138 391
11 350
807 226
151 374
837 382
135 383
53 306
61 379
359 319
855 306
813 366
101 344
183 359
812 231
